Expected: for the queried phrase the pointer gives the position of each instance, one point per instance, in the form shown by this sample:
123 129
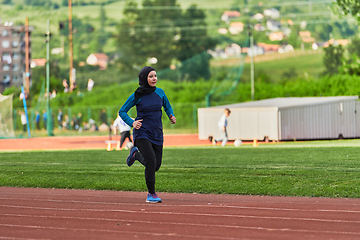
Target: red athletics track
88 142
32 213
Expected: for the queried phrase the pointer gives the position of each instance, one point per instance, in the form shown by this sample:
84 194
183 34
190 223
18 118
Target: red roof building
100 59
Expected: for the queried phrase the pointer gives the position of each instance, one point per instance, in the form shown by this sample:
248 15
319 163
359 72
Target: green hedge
187 97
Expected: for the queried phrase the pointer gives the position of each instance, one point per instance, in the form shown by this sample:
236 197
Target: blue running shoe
131 158
153 198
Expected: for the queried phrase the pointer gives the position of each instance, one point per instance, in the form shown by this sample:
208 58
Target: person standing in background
60 118
45 119
90 84
37 120
124 130
23 120
222 124
103 117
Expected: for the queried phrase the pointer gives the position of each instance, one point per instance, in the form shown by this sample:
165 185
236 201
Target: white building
286 49
100 59
285 119
273 26
236 27
272 13
233 50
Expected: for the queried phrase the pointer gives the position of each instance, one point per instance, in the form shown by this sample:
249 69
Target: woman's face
152 79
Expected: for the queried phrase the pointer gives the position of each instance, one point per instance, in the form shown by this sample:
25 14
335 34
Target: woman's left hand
172 119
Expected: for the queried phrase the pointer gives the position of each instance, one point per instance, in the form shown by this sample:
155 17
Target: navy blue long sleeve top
149 109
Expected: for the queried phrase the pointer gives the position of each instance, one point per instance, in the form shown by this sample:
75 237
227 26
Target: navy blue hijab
144 88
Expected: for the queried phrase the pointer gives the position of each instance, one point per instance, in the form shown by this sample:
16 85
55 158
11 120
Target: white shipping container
285 119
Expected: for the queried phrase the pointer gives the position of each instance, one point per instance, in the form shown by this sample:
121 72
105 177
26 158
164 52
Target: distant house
258 27
269 47
57 51
342 42
276 36
303 24
258 17
286 31
272 13
218 52
222 31
304 34
255 51
100 59
233 50
236 27
273 26
286 49
315 46
230 14
38 62
308 39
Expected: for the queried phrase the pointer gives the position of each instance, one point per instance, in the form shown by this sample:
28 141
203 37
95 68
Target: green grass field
285 169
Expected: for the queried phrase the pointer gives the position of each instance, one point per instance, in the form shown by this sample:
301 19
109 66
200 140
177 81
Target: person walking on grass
222 124
147 134
124 130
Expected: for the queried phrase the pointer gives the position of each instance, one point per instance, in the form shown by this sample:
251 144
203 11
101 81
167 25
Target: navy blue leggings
150 156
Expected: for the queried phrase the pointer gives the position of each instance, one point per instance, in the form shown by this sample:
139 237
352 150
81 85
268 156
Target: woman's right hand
137 124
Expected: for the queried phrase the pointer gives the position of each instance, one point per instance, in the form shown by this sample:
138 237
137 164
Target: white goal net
6 117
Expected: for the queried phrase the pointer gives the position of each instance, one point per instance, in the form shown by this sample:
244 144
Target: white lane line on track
187 214
17 238
118 231
344 201
208 205
206 237
239 216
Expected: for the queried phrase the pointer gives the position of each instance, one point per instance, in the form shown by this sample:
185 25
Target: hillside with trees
187 37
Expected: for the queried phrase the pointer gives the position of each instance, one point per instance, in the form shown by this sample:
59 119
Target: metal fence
186 115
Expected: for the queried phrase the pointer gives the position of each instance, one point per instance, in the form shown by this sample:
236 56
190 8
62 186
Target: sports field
208 193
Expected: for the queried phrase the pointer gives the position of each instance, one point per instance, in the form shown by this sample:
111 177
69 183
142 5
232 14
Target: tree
102 17
148 33
354 46
39 74
160 30
333 59
345 7
6 2
352 65
193 41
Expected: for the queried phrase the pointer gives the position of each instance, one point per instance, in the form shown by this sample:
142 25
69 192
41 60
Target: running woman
147 133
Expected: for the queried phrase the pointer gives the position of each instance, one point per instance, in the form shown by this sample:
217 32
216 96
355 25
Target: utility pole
71 76
48 110
27 62
252 64
62 45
